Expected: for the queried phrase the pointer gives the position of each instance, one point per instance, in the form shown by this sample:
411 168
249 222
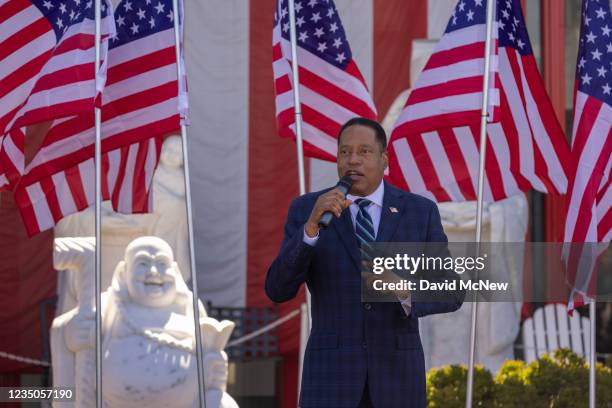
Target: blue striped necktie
364 227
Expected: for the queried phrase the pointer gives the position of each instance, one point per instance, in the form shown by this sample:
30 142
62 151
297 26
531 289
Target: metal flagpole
296 98
178 17
481 169
300 150
298 113
592 359
98 222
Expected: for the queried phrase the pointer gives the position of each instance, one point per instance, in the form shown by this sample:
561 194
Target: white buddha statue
148 333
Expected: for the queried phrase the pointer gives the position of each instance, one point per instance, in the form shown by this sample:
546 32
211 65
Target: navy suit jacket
350 340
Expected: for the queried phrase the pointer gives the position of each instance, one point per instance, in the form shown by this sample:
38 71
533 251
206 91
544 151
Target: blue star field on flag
63 14
467 13
595 55
136 19
512 29
318 29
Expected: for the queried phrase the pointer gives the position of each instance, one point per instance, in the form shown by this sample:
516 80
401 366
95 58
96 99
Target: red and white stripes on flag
589 211
127 175
140 105
332 89
448 92
434 147
46 69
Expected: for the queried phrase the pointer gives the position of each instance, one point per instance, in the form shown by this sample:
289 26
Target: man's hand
334 201
387 276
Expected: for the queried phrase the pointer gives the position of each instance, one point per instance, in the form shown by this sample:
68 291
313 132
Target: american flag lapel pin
393 209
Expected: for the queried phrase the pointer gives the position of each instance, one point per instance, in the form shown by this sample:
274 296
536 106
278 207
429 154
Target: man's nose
354 158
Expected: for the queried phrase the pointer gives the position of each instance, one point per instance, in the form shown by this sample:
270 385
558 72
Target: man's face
361 157
151 277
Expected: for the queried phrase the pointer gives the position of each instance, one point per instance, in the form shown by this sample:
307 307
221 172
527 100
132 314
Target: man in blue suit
358 354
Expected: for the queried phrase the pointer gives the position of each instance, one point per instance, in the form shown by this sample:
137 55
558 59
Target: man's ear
385 155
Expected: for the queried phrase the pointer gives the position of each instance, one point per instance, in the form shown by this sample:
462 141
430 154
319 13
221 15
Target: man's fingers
333 201
336 193
336 209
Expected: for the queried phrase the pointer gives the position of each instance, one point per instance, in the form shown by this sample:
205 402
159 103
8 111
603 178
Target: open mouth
353 173
154 283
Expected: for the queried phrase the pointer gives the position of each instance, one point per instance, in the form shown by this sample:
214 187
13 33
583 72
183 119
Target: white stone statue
169 209
447 336
167 221
148 332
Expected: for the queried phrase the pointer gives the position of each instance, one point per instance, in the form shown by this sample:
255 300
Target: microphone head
346 182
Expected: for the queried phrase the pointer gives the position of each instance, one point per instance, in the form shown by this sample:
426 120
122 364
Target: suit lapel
391 213
344 228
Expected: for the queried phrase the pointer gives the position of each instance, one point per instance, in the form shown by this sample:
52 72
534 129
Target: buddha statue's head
150 272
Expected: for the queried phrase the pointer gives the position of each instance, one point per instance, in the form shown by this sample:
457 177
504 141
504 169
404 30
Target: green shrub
446 387
560 380
511 389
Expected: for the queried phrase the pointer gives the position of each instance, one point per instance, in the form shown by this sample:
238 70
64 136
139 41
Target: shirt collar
376 197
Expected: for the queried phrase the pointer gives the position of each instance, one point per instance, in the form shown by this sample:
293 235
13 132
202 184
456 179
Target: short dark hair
381 136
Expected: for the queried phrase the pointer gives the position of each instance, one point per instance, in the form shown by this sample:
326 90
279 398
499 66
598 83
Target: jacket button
364 345
367 306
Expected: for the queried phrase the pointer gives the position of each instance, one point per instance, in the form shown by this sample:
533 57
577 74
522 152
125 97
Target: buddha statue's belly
139 371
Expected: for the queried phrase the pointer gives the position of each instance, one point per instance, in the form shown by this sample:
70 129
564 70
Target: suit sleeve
290 268
444 301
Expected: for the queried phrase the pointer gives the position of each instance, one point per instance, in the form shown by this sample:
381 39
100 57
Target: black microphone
344 184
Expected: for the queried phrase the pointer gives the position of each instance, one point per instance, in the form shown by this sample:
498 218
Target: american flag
589 213
434 147
332 89
46 70
140 105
